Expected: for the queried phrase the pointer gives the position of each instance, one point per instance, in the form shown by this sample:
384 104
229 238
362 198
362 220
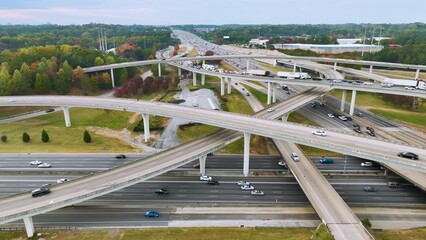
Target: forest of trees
48 59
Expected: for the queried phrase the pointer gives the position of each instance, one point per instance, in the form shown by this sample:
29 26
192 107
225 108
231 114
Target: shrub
4 138
366 222
44 136
86 137
25 137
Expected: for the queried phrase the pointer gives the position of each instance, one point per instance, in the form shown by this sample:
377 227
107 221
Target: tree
4 81
25 137
99 61
27 77
86 137
44 136
4 138
62 85
42 83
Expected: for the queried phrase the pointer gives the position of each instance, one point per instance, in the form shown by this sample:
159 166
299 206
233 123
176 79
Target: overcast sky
166 12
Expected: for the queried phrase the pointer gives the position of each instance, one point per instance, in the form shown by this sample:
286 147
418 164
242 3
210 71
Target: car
368 83
369 129
410 88
257 193
247 94
197 165
213 182
120 156
330 115
36 162
50 110
371 133
11 100
393 184
319 133
205 178
282 163
40 191
152 214
370 189
247 187
326 160
358 130
409 155
343 118
295 157
44 165
161 191
367 164
349 118
337 81
270 110
242 183
62 180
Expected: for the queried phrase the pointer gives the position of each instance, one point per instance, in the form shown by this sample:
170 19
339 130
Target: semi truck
257 72
295 75
418 84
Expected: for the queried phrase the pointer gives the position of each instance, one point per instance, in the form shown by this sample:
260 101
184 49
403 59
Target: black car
371 133
357 130
409 155
349 118
120 156
212 182
161 191
50 110
40 191
370 189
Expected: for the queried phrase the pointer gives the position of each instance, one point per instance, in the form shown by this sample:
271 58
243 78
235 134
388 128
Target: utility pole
363 43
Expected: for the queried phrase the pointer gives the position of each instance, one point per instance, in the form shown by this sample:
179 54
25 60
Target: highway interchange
262 186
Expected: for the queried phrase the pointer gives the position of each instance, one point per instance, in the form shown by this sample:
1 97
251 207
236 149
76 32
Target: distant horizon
219 12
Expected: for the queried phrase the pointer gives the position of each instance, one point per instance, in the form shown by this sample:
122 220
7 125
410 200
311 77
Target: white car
368 83
205 178
330 115
36 162
11 100
295 157
257 192
343 118
367 164
242 183
247 187
319 133
270 109
282 163
62 180
410 88
44 165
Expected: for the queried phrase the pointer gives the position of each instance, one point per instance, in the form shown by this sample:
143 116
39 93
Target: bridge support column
159 69
229 85
322 99
29 226
371 69
352 108
342 103
274 98
222 86
204 62
274 63
344 75
203 79
194 79
335 66
269 94
417 74
179 71
294 67
203 165
67 116
146 126
284 117
248 65
246 154
112 78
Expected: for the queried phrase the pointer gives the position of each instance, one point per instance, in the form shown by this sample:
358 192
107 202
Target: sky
218 12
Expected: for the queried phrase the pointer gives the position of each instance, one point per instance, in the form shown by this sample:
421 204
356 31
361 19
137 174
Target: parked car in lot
40 191
161 191
152 214
247 187
295 157
44 165
367 164
257 193
326 160
409 155
370 189
36 162
205 178
242 183
319 133
213 182
120 156
62 180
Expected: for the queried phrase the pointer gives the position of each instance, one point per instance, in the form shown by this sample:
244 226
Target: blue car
326 160
152 214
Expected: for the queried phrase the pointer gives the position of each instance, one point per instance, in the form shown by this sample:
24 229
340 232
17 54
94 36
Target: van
393 184
295 157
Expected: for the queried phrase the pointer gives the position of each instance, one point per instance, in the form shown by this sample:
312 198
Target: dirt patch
134 118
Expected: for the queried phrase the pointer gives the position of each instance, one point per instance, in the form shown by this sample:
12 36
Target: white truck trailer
295 75
418 84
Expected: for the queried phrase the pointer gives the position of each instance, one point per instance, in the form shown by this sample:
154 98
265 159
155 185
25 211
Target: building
258 42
